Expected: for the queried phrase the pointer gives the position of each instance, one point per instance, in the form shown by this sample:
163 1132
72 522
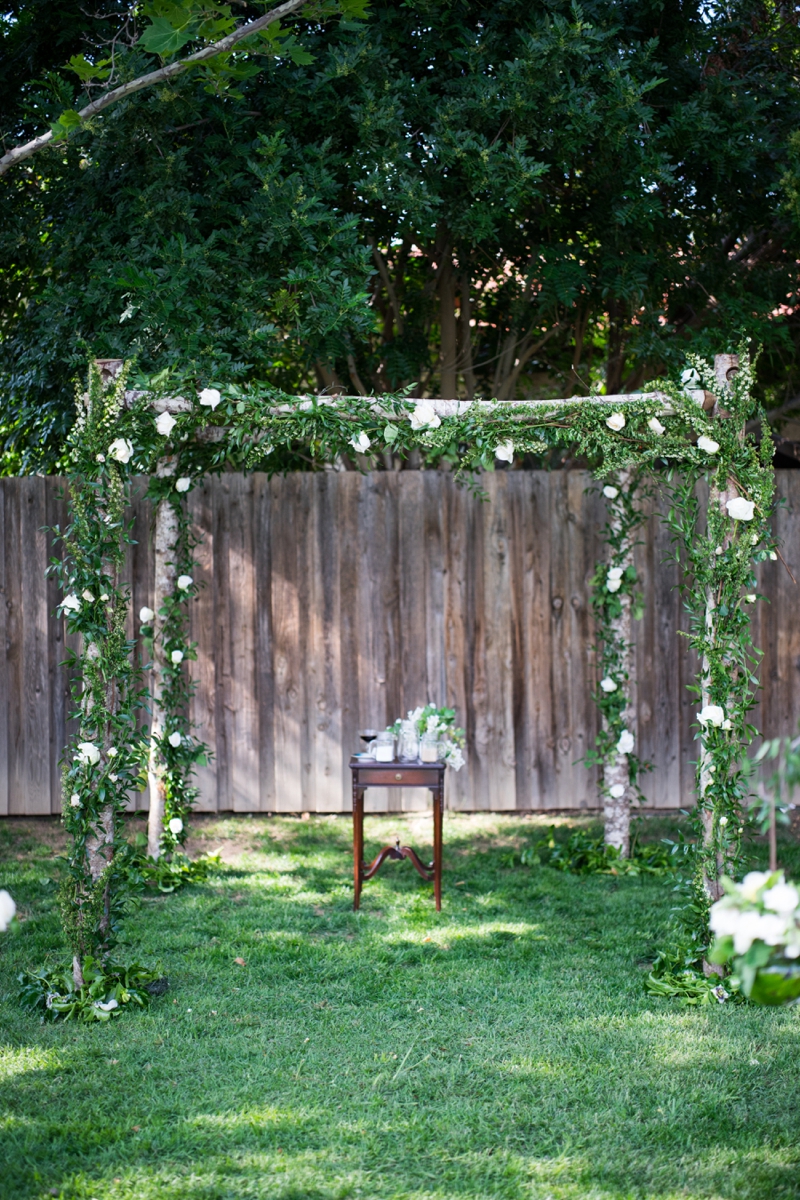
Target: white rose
712 714
121 449
75 800
112 751
773 556
723 920
165 423
7 909
752 884
183 484
750 598
425 416
613 585
146 615
176 826
608 684
782 898
177 656
610 492
184 582
88 753
360 442
88 596
616 421
740 509
505 451
708 444
104 597
71 603
745 932
616 572
656 426
726 724
625 743
617 791
210 397
174 740
101 458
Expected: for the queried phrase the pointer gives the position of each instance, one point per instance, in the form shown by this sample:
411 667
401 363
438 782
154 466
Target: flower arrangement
441 721
757 929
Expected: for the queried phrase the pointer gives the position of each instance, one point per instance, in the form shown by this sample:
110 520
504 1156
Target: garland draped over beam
161 430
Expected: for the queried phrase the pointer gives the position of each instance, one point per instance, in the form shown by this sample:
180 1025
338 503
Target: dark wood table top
367 771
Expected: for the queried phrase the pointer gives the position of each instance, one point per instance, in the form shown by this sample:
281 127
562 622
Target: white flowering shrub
757 930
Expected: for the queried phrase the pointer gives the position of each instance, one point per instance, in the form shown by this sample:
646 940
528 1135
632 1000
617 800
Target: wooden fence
334 601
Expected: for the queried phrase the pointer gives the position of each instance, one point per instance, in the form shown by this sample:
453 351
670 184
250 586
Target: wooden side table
368 773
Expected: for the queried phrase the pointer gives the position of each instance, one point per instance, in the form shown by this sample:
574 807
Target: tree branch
167 72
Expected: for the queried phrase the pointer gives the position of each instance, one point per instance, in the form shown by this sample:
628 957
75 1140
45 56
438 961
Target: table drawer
396 776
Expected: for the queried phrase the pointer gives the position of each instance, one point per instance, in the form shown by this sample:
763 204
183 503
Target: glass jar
408 749
384 747
429 747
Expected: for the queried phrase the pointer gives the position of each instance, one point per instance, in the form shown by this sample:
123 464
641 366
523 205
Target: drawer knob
398 775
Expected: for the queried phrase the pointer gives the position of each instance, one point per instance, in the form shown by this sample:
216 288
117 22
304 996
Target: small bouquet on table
429 734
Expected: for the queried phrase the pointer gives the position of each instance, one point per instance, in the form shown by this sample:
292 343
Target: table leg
438 812
358 843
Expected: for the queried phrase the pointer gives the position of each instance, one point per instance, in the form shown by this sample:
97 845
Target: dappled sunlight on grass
504 1048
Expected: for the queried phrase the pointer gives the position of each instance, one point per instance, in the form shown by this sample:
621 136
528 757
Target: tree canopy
460 198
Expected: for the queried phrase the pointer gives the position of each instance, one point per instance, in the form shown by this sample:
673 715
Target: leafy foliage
582 854
108 989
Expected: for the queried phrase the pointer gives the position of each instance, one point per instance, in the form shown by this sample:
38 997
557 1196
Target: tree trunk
166 541
465 347
448 346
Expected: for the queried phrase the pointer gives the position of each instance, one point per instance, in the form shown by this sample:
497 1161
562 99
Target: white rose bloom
608 684
616 421
747 929
165 423
783 898
750 598
104 597
101 458
112 751
613 585
174 740
610 492
71 603
723 920
184 582
146 615
425 416
505 451
176 826
708 444
752 884
655 425
121 449
88 753
177 656
617 791
726 724
626 742
712 714
740 509
210 397
616 572
455 758
7 909
88 596
75 800
773 556
183 484
360 442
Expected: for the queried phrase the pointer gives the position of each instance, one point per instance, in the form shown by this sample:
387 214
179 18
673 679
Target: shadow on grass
503 1048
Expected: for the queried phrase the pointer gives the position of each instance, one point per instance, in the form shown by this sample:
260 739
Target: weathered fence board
330 602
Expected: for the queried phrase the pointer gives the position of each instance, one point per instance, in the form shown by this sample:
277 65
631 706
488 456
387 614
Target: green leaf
161 37
68 121
87 71
355 10
299 56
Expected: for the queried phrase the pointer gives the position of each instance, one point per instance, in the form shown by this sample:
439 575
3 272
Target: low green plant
583 854
106 992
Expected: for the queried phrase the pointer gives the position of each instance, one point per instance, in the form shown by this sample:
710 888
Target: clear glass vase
408 748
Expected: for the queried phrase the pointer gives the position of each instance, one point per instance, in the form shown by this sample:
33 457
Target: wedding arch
175 434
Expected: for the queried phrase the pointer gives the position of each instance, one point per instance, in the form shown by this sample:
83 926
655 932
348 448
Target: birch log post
165 576
725 366
616 769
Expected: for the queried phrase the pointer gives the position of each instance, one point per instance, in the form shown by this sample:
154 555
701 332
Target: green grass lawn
504 1048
